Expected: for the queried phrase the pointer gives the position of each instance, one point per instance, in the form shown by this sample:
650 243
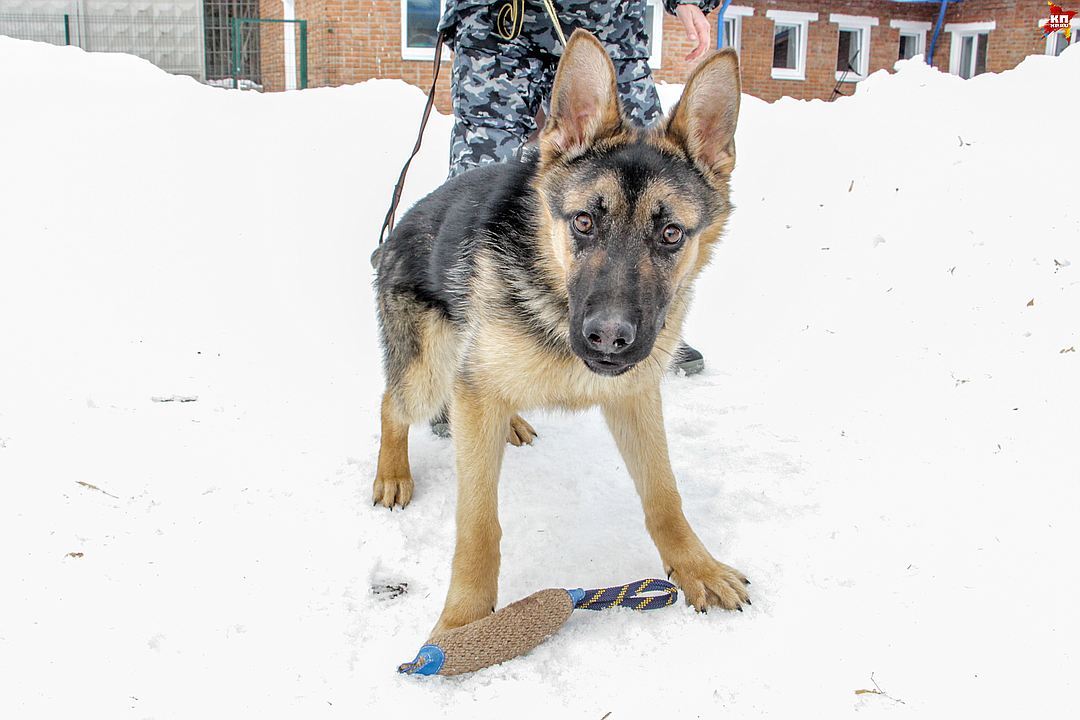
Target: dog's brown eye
583 223
671 235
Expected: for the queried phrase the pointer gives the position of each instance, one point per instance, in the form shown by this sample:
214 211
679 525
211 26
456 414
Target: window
654 28
967 55
909 46
419 28
851 54
912 37
972 54
786 41
1057 42
789 43
731 32
853 46
732 36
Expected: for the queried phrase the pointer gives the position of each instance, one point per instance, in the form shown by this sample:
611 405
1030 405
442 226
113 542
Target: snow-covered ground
884 439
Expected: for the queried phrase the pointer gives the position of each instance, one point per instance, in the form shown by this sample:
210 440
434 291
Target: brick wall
1016 36
756 45
354 40
271 47
350 41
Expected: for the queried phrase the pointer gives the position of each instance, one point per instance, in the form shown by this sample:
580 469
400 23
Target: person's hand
698 30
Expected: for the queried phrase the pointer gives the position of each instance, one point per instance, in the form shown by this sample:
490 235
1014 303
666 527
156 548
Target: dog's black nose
608 334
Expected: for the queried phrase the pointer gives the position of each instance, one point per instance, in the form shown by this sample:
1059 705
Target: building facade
795 48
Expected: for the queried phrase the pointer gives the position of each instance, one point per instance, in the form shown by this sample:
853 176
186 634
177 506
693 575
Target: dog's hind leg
393 479
521 432
637 423
420 361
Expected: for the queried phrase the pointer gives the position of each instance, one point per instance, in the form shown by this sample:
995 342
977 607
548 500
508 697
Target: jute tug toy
521 626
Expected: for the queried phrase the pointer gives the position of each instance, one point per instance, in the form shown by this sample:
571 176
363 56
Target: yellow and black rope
632 595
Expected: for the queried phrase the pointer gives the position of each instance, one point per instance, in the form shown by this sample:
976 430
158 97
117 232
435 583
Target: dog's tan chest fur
510 364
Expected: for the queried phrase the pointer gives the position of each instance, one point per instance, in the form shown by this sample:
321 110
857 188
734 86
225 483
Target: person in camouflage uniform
499 84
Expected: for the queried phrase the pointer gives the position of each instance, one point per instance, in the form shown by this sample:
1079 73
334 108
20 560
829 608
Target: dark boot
688 360
440 425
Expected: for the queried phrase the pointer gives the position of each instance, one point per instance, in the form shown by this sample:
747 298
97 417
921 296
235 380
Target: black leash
388 222
508 26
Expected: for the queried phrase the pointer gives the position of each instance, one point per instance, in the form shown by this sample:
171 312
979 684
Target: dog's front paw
462 611
520 432
706 582
392 489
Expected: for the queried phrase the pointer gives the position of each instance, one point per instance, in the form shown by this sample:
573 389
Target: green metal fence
54 29
254 53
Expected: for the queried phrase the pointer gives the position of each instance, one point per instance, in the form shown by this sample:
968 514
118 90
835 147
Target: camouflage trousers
498 86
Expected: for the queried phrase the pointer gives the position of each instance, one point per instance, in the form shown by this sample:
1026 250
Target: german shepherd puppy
559 282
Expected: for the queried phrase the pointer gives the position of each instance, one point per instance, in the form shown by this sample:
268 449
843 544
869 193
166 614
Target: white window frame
802 20
735 14
1074 23
916 28
957 32
656 34
418 53
860 24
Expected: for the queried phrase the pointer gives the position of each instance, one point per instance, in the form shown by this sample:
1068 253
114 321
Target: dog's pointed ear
584 99
703 122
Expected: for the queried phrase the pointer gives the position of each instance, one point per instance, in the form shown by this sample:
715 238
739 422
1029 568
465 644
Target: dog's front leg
479 434
637 424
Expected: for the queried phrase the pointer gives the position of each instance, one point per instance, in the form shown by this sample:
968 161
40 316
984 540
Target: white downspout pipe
288 12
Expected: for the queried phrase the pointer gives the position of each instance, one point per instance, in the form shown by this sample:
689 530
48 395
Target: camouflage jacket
622 24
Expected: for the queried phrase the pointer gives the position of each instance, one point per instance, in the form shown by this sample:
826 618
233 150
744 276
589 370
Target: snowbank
884 439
